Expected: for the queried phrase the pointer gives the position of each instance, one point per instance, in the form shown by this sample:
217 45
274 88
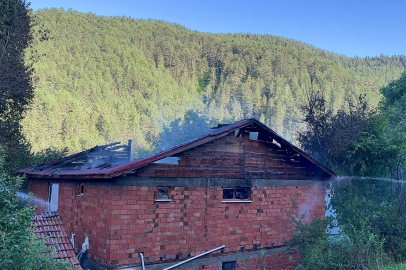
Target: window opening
237 193
242 193
228 194
53 194
81 189
228 266
162 194
254 136
168 160
239 133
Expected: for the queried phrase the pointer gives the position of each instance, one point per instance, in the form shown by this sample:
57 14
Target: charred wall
235 157
123 217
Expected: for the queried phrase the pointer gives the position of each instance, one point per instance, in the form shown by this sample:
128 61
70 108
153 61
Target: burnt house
227 195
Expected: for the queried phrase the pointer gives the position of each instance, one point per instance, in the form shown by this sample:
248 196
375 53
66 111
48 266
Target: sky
354 28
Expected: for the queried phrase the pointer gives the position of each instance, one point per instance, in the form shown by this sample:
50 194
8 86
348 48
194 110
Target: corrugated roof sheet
48 227
138 163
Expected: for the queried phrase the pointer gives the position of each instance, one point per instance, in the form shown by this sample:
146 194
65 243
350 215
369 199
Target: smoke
192 126
29 200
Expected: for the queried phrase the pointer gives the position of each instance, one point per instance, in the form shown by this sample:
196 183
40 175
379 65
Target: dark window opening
228 193
162 193
228 266
239 193
81 189
242 193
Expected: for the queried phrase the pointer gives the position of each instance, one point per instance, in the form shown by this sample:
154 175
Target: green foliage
15 88
395 91
370 214
99 79
400 266
362 250
20 249
377 204
332 138
359 141
382 148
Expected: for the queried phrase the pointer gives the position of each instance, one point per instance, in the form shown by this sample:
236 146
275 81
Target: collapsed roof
111 160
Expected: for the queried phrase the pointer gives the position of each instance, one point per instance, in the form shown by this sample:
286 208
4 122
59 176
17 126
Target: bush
321 250
19 247
372 228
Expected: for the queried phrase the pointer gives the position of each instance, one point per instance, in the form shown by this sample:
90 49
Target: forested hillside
99 79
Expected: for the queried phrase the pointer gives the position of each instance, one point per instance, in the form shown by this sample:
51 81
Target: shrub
19 247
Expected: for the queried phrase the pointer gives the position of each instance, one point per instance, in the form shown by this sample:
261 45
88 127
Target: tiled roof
51 169
48 226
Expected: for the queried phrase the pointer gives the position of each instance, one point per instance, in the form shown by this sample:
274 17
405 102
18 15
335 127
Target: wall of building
87 215
122 221
40 190
235 157
197 220
122 218
277 258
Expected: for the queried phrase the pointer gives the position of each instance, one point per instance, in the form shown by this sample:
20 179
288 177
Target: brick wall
274 262
235 157
40 190
122 221
88 215
246 260
196 220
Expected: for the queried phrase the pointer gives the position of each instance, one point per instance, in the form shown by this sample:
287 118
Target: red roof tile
49 224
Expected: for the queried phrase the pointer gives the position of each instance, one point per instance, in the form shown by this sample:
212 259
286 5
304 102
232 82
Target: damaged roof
65 167
48 227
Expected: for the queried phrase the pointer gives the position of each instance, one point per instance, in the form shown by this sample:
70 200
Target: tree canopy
15 87
360 141
99 79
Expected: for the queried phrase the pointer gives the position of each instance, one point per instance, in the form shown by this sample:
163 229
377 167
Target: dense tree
358 140
15 88
331 138
101 79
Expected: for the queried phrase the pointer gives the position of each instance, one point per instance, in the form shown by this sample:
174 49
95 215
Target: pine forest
98 80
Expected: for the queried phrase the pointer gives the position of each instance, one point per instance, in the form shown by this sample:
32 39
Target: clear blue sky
353 28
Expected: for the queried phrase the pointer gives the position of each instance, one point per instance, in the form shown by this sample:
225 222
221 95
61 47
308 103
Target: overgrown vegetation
371 217
20 248
359 140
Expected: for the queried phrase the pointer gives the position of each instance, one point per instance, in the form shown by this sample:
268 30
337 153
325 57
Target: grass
401 266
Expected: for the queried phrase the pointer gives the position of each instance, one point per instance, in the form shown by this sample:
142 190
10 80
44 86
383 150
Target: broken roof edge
296 149
138 163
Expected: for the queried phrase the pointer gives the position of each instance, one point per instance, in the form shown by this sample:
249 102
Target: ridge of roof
138 163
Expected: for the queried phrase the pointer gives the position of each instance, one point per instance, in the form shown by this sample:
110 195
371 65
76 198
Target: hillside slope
99 79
